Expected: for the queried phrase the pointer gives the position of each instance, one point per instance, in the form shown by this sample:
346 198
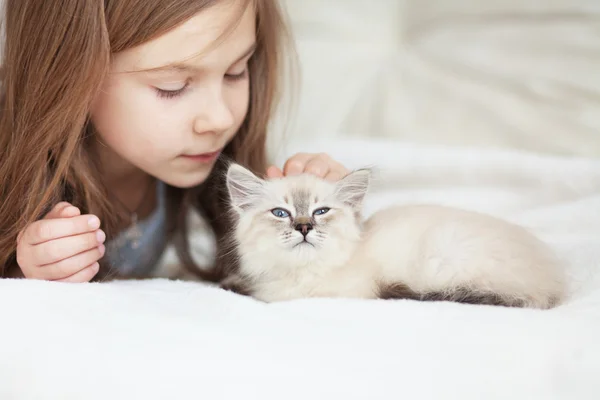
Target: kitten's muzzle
304 228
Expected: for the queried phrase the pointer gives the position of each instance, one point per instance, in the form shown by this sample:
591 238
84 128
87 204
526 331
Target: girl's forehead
212 38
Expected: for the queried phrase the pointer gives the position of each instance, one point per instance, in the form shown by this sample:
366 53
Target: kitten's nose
304 228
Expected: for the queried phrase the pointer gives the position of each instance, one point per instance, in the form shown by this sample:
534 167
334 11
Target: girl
118 117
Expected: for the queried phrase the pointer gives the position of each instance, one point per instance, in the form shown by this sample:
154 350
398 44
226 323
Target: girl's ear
353 188
243 186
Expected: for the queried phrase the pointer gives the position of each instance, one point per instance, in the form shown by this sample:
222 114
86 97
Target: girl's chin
187 180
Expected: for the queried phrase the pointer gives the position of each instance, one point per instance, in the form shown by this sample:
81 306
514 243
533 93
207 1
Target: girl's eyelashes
237 77
169 94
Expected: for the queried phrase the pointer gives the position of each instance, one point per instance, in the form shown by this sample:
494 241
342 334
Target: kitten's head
295 221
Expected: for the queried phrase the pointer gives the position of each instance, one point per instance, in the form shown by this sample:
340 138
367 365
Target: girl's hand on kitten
321 165
63 246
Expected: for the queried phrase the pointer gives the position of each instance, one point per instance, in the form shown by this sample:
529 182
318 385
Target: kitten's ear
353 188
243 186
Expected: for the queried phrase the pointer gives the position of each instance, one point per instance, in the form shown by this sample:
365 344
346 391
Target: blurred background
504 73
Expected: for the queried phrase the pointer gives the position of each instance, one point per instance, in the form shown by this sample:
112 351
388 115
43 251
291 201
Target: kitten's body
420 252
460 255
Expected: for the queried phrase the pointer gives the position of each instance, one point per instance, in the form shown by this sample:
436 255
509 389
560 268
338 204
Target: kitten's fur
424 252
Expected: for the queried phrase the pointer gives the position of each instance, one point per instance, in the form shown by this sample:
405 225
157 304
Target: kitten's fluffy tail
460 295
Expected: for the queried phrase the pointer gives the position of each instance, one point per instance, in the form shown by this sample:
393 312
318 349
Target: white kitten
302 236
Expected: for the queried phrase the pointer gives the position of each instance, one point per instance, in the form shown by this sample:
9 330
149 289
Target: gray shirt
137 250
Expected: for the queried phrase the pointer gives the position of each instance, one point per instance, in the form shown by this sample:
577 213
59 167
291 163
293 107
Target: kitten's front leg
235 283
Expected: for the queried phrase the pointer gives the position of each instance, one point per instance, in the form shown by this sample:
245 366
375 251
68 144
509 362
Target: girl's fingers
85 275
317 166
321 165
274 172
56 210
72 265
334 176
295 165
63 248
50 229
69 212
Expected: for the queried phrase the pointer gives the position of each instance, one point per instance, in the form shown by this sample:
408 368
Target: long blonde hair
54 64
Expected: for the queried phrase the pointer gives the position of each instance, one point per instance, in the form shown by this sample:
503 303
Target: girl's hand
320 165
63 246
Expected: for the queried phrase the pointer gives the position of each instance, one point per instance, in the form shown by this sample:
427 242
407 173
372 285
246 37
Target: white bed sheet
162 339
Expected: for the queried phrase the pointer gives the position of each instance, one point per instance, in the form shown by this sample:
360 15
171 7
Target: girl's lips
203 158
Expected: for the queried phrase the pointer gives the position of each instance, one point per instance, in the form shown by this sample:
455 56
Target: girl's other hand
63 246
321 165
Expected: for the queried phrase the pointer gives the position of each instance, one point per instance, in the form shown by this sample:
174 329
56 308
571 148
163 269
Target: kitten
302 236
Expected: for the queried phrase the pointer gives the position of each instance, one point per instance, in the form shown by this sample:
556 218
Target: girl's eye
321 211
237 77
280 213
169 94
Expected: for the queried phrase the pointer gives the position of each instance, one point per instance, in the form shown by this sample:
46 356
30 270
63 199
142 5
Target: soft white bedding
160 339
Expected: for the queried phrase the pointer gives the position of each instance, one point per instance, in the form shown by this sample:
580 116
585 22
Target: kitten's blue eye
280 213
321 211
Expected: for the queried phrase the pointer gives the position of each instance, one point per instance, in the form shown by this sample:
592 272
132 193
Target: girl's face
173 122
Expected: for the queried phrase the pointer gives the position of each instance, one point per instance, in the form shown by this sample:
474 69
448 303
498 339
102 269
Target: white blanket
160 339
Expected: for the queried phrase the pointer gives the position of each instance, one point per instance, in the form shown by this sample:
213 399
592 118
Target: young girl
118 116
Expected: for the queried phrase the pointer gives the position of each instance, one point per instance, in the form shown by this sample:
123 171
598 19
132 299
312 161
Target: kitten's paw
235 283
